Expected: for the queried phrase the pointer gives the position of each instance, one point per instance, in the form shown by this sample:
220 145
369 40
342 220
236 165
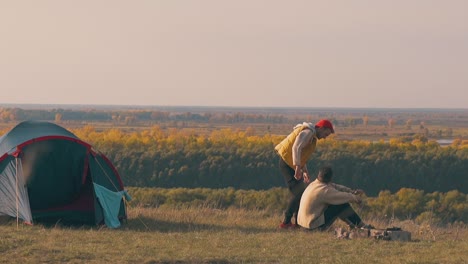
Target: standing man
294 151
323 202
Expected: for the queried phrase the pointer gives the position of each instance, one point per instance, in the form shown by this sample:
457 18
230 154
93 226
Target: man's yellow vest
284 148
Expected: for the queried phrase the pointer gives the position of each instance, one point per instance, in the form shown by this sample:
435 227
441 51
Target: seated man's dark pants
342 211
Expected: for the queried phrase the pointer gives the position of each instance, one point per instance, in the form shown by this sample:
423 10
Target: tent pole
17 206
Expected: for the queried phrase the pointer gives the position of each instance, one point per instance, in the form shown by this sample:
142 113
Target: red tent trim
20 146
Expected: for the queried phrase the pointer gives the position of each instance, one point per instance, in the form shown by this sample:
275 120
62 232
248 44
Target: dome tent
47 174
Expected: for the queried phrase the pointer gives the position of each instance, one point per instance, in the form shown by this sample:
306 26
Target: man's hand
306 177
358 192
298 173
358 199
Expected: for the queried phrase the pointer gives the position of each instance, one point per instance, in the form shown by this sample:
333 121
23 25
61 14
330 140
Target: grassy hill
206 235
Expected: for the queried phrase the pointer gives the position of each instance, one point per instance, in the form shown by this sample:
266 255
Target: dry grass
204 235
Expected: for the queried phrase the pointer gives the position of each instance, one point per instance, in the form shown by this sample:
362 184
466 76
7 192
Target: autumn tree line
403 178
241 160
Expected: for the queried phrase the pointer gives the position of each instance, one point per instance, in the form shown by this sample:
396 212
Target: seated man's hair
325 174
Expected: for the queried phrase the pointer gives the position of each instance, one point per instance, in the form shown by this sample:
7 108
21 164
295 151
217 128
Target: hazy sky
369 53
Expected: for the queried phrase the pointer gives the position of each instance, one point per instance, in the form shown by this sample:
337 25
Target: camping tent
49 174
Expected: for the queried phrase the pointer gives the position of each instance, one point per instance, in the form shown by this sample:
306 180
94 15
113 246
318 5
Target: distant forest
145 115
237 159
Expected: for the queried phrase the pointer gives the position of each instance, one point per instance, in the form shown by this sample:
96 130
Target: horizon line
230 106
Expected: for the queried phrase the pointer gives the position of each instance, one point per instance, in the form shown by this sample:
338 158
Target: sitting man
323 201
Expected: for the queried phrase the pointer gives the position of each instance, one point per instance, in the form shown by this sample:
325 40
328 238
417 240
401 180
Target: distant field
350 123
204 235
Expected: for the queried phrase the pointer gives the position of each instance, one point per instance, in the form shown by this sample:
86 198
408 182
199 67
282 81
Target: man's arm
334 196
304 137
341 188
346 189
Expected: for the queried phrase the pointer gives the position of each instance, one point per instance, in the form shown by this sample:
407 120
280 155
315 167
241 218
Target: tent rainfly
47 174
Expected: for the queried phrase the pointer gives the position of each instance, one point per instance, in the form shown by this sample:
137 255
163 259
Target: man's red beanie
325 123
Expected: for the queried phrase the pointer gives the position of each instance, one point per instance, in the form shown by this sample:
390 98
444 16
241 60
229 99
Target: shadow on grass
145 224
211 261
149 225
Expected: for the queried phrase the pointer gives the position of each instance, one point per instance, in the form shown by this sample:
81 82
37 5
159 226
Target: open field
350 123
204 235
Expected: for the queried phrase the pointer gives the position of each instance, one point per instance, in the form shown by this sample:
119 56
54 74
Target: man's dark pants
342 211
296 188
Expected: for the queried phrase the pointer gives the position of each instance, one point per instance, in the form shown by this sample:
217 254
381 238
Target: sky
255 53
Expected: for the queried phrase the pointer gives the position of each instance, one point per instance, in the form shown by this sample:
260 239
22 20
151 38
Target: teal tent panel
29 130
110 202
